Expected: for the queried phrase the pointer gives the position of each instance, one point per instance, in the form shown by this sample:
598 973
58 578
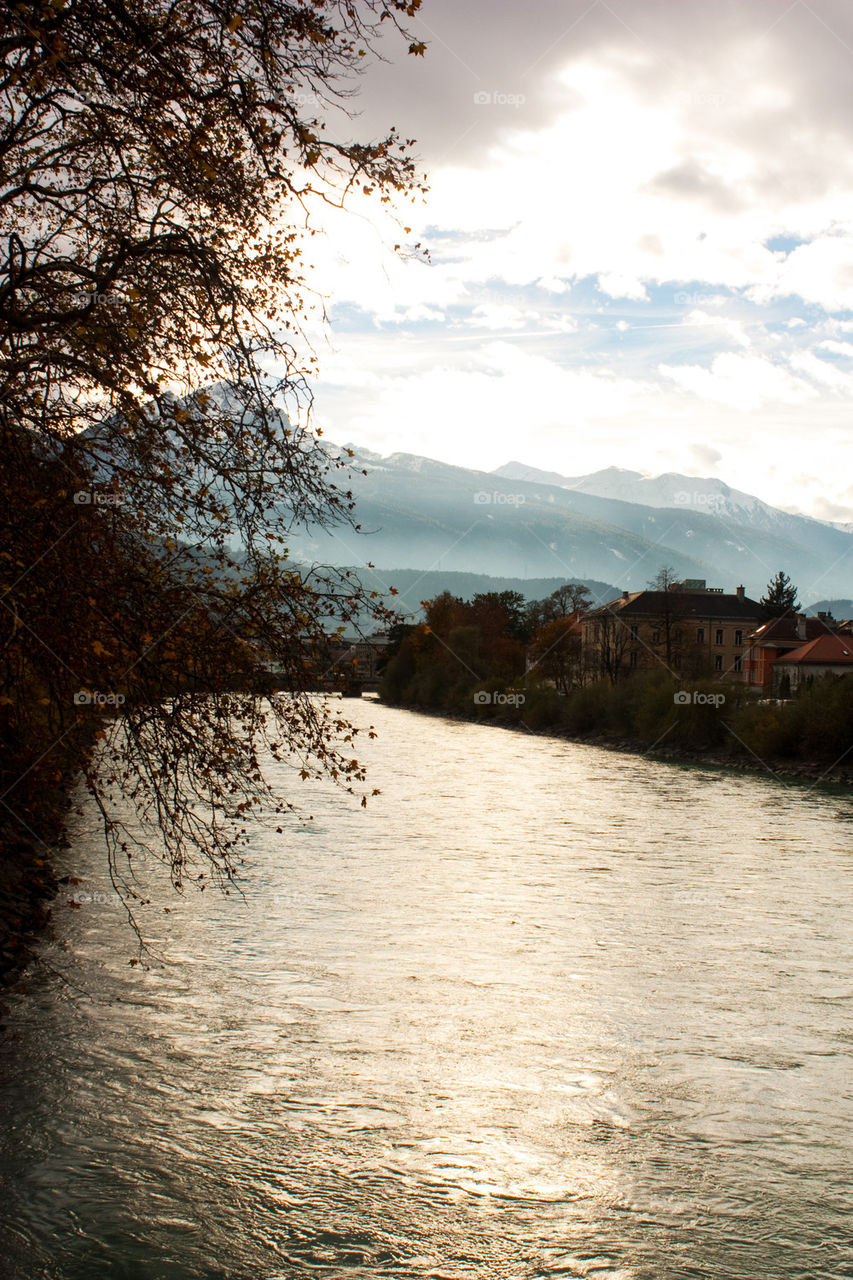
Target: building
777 638
357 660
829 655
689 629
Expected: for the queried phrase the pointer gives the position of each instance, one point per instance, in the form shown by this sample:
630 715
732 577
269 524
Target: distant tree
610 639
670 613
571 598
780 598
507 609
460 646
555 652
159 168
664 580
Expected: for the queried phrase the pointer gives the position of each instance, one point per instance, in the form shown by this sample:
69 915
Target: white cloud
821 371
838 348
732 330
742 382
664 180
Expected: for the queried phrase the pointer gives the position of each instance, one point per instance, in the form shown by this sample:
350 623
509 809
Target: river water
540 1010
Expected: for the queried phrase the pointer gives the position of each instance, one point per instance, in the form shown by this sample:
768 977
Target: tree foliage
466 646
780 598
570 598
462 647
159 164
556 653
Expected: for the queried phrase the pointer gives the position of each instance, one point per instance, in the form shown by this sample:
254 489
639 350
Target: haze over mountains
613 526
708 495
423 520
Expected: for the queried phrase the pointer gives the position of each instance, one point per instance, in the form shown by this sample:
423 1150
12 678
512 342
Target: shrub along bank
648 710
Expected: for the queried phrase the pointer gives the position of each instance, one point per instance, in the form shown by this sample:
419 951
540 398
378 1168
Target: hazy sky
641 234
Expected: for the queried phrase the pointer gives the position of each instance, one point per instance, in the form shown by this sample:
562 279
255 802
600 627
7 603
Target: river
540 1010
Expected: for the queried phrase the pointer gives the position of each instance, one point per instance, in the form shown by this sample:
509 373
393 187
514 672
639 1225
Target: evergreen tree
780 597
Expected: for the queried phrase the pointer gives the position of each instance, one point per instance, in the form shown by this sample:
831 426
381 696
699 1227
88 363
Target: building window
718 662
700 635
738 663
719 639
635 631
738 637
633 657
655 637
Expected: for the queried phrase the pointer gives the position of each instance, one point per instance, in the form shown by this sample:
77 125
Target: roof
702 605
785 630
826 650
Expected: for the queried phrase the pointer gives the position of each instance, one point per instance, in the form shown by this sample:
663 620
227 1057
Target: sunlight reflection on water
540 1010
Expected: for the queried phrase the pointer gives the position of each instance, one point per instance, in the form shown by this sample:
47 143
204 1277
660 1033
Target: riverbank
30 834
784 771
27 885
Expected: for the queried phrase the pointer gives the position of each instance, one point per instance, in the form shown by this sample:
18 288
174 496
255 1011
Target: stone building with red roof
830 654
776 638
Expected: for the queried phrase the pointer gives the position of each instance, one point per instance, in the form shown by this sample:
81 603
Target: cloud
706 456
834 511
822 371
742 382
688 180
838 348
728 329
661 234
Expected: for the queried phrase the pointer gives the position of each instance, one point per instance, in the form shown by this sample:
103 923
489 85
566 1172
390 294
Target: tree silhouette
670 614
780 598
160 170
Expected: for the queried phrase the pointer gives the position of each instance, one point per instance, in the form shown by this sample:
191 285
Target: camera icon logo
82 498
482 498
482 698
482 99
82 698
682 698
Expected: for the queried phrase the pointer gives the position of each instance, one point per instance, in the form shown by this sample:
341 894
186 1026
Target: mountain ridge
430 514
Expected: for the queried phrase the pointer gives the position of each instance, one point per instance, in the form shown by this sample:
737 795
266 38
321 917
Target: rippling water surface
541 1010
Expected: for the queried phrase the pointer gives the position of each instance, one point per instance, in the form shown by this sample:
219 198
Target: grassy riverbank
810 736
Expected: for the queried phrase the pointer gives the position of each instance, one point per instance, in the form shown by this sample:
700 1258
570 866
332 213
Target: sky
640 235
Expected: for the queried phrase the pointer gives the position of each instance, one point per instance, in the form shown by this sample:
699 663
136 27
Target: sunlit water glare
540 1010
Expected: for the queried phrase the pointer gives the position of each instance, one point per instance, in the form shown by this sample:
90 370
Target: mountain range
610 527
613 526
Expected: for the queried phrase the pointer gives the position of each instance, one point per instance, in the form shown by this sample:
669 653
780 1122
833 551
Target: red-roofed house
777 638
828 655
